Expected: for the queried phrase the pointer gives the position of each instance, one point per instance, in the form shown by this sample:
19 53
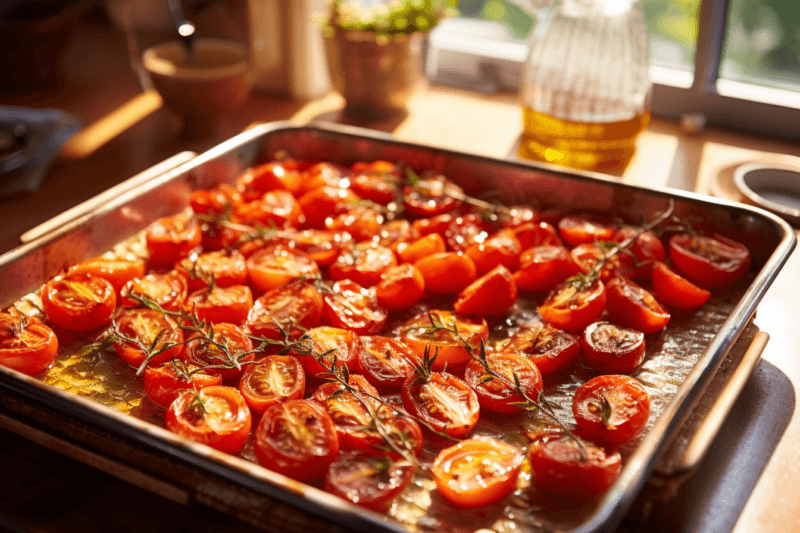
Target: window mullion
712 24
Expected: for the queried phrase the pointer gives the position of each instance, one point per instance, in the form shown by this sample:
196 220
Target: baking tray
186 471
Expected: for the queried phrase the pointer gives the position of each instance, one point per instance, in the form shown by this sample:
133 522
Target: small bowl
216 82
773 186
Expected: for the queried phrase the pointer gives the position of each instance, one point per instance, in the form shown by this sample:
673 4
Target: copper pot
376 74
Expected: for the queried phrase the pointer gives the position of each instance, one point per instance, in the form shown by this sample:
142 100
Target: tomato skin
324 174
611 349
630 305
349 414
118 272
457 417
676 291
66 305
225 267
255 181
450 351
364 263
368 478
26 345
145 325
477 472
431 197
401 287
321 203
199 351
170 239
278 208
386 362
224 405
341 343
437 224
381 189
423 247
350 306
543 267
502 248
395 234
584 229
647 248
296 303
709 262
321 245
560 467
360 221
209 202
567 307
628 408
493 294
163 385
533 234
588 255
497 396
302 455
167 290
272 380
220 304
464 231
447 272
551 349
278 264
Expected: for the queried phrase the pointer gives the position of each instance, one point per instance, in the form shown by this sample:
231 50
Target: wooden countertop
43 491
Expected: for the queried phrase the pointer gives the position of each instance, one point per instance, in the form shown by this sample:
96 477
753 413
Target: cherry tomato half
573 307
371 479
580 229
587 256
401 287
708 261
630 305
215 416
274 379
532 234
26 345
351 306
321 245
502 248
167 290
497 395
431 197
423 247
477 472
612 349
363 263
551 349
204 351
164 383
278 264
360 221
386 362
287 307
326 342
447 272
118 272
220 304
646 247
274 208
145 326
79 302
676 291
225 267
493 294
170 239
613 408
351 413
543 267
443 401
436 329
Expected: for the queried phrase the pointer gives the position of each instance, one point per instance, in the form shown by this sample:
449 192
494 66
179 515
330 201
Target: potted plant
375 53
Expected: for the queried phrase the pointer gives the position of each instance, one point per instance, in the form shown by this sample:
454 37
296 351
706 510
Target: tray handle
704 436
97 201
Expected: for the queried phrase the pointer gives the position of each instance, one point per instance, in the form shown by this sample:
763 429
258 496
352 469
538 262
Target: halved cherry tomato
360 221
613 408
437 224
492 294
226 267
321 245
287 307
326 342
676 291
543 267
581 229
217 236
167 290
395 234
164 383
118 272
274 379
477 472
423 247
647 248
502 248
708 261
212 202
630 305
26 345
380 188
573 307
386 362
350 306
145 326
170 239
351 413
296 438
204 351
431 197
551 349
376 168
324 175
447 272
518 215
371 479
319 204
612 349
79 302
442 401
278 264
563 466
266 177
220 304
533 234
436 329
497 395
215 416
401 287
465 231
363 263
588 255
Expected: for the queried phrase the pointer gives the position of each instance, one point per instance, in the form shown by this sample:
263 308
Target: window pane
518 22
672 25
762 44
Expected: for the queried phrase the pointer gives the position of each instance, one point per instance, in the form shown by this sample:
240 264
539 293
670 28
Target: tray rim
611 506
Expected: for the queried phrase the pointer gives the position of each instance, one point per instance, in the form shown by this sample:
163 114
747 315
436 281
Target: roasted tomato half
588 256
709 261
443 401
26 345
79 302
401 287
118 272
368 478
436 332
274 379
145 328
285 309
363 263
324 343
646 248
630 305
278 264
502 248
573 306
613 408
612 349
493 294
170 239
431 197
224 350
225 267
351 306
551 349
167 290
220 304
386 362
447 272
543 267
499 395
164 383
580 229
675 290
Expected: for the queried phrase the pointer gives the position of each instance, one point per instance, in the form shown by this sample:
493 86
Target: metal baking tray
682 362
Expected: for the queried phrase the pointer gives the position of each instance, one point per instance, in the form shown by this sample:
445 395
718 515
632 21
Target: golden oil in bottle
600 146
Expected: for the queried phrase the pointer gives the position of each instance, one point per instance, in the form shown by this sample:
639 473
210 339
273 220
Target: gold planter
375 74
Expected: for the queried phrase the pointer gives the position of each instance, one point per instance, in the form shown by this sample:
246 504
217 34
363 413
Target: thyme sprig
419 184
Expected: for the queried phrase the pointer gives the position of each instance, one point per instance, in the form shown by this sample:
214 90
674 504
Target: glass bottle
586 85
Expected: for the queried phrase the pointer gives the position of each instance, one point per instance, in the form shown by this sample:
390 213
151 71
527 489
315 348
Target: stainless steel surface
709 340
